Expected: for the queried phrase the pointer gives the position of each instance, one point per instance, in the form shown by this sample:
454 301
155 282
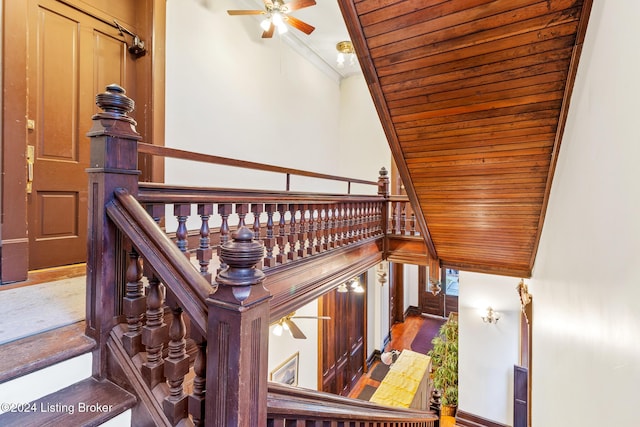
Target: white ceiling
320 46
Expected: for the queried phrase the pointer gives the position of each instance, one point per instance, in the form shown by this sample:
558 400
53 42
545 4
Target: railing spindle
134 305
197 398
224 210
281 258
154 333
182 212
269 240
293 234
176 366
204 252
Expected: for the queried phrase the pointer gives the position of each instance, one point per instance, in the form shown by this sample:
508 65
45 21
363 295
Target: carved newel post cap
241 255
383 182
114 104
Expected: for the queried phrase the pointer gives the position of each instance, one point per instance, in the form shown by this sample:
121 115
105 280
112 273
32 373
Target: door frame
14 242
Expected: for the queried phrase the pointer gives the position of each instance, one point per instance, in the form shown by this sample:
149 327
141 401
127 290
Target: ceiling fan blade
295 331
300 25
269 33
299 4
245 12
312 317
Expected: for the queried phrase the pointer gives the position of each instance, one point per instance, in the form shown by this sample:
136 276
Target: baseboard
386 340
412 310
470 420
374 357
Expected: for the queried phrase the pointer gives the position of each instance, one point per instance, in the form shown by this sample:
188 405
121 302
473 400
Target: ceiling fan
277 15
286 323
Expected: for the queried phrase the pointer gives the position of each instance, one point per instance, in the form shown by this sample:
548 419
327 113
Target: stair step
27 355
86 403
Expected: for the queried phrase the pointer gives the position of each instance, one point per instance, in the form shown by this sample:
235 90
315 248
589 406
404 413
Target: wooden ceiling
473 96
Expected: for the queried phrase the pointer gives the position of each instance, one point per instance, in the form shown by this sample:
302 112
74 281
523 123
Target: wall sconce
345 49
342 288
356 286
491 316
434 287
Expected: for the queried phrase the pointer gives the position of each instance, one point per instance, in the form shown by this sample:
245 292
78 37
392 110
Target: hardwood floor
402 335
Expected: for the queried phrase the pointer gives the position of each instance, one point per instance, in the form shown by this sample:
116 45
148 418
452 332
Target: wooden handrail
225 161
300 404
163 193
171 266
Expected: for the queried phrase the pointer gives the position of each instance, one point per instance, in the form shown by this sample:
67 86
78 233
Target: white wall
585 283
284 346
231 93
411 296
487 352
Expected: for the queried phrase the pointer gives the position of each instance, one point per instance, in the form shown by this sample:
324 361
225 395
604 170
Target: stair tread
86 403
38 351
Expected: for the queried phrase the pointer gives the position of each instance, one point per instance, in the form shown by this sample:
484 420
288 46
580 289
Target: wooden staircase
177 322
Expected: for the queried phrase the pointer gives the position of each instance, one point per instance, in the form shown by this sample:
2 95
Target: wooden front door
72 57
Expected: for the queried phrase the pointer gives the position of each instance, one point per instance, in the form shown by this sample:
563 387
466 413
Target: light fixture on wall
491 316
434 287
345 52
356 286
342 288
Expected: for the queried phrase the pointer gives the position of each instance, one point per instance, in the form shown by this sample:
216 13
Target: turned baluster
198 395
303 235
204 252
176 366
293 234
224 210
349 222
403 218
367 220
256 210
154 333
269 240
182 212
337 224
412 224
134 304
312 248
358 212
326 225
318 231
394 218
281 258
241 210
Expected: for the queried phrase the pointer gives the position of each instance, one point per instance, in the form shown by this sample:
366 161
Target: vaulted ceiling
473 96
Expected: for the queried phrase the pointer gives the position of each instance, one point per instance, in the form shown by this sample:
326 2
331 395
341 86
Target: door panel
72 57
520 396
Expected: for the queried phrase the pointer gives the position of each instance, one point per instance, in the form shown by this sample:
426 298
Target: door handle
31 151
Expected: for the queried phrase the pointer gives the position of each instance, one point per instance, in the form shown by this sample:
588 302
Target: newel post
113 164
237 337
383 190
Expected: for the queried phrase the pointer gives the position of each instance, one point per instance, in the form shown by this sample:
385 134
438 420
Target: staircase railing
195 328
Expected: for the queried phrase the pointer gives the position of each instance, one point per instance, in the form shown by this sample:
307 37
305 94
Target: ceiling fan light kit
277 16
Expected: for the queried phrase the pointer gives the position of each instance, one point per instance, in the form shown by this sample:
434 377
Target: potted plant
444 365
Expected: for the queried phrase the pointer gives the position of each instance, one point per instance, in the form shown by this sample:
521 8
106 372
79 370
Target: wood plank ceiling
473 96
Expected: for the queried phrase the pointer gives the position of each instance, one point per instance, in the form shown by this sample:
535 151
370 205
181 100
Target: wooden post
238 338
113 164
383 190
